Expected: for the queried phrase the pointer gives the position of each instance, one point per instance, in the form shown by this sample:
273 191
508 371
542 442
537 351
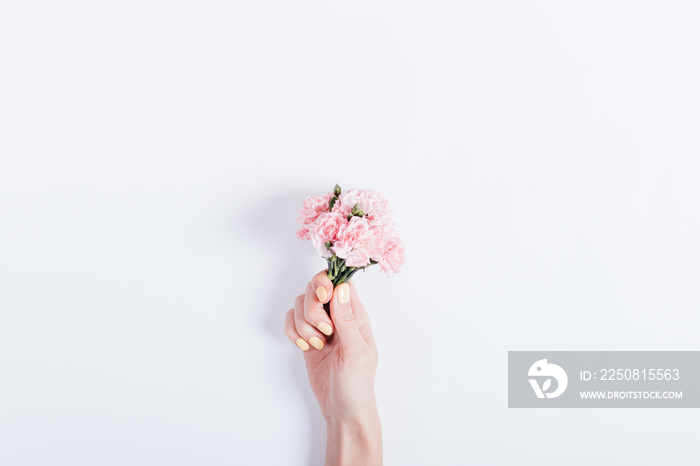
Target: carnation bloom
325 229
370 202
355 242
313 207
390 253
342 208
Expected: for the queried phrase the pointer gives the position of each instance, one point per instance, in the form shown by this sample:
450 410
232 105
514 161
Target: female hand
341 360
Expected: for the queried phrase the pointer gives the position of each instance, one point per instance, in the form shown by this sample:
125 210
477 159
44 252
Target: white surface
542 159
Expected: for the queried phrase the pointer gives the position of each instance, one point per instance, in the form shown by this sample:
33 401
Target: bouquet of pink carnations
352 230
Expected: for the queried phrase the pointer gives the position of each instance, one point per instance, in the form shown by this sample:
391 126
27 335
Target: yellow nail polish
316 342
324 328
321 293
343 293
302 344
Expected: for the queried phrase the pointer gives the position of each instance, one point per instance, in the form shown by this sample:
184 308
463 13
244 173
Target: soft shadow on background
272 222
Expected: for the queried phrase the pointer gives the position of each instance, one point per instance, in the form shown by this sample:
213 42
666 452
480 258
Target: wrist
364 421
355 439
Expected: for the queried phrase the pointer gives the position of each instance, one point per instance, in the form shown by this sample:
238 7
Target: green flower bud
336 190
356 211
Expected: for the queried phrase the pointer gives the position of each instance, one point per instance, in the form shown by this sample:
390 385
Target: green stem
344 276
330 268
335 267
339 273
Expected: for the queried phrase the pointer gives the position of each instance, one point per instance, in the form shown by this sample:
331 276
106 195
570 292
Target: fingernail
302 344
343 293
321 293
316 342
325 328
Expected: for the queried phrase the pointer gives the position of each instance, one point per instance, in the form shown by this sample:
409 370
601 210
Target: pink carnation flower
355 242
370 202
341 208
313 207
326 229
389 252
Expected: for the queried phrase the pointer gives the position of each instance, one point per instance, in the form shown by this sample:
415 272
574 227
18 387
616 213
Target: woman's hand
341 360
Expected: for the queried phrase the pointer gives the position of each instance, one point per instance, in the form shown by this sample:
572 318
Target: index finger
318 291
322 286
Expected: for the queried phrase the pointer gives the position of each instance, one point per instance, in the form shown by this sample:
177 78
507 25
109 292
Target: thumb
344 319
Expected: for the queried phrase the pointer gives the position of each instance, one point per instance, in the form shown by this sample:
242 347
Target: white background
542 158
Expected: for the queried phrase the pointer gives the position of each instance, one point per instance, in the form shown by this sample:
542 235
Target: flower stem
345 276
339 272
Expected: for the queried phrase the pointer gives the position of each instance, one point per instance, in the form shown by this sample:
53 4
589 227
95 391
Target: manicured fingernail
316 342
343 293
324 328
303 345
321 293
